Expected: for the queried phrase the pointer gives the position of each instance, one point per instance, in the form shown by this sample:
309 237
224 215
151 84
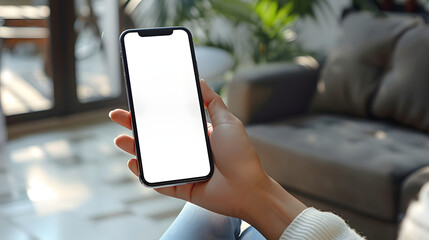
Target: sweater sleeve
313 224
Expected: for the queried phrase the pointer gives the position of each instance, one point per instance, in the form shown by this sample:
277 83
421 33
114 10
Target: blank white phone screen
166 106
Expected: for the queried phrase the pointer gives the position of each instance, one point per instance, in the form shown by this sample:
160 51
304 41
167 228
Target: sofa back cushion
352 72
404 91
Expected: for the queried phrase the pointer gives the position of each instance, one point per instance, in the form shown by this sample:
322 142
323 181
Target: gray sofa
349 135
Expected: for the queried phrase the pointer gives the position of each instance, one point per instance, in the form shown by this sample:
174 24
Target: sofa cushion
353 70
404 91
353 163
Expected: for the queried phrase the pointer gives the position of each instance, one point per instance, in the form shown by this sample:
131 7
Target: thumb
219 113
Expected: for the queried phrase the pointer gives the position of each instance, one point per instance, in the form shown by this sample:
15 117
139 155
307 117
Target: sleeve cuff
313 224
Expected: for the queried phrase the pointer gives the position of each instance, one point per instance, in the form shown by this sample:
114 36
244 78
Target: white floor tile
62 226
75 184
17 208
11 232
98 208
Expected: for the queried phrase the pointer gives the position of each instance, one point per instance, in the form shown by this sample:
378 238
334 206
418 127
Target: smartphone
165 101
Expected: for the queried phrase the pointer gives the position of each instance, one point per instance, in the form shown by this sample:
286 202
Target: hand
238 181
237 167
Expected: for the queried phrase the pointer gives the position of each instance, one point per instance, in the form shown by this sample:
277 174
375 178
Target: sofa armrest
411 187
270 92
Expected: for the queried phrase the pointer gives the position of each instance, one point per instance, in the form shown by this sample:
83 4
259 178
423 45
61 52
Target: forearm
278 215
271 209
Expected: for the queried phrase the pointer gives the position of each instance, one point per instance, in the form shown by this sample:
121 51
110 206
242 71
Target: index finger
219 113
121 117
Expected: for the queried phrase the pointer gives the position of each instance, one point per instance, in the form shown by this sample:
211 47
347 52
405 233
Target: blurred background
60 74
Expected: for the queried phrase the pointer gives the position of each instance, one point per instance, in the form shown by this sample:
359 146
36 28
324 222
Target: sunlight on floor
19 96
74 184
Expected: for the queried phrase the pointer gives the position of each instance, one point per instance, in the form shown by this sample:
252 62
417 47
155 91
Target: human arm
239 186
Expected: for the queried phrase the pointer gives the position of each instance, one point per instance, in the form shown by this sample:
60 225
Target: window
58 57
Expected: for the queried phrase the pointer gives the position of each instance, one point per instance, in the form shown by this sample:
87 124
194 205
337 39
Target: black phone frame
147 32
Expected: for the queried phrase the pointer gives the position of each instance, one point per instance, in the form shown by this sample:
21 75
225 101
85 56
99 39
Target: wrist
270 209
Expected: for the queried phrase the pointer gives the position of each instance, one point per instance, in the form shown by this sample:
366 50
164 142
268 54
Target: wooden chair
25 23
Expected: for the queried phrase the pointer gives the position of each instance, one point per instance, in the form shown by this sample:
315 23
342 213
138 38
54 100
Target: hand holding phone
172 143
239 186
237 170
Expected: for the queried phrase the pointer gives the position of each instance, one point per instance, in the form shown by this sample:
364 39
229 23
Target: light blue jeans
195 222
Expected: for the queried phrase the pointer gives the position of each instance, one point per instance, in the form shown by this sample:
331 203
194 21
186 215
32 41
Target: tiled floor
74 184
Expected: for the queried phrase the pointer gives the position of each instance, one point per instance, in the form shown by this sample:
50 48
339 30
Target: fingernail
110 114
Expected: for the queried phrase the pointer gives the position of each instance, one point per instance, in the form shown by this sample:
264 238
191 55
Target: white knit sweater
313 224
